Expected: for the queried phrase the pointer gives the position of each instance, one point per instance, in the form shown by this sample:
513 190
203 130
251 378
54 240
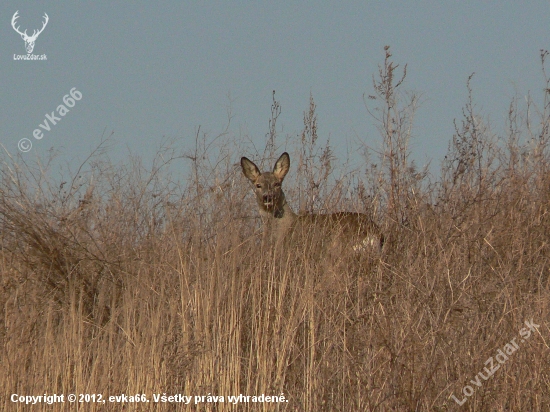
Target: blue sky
148 70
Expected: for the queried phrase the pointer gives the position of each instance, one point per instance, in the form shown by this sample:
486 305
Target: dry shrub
121 279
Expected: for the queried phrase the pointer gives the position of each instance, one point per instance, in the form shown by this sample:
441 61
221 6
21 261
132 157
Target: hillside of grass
123 279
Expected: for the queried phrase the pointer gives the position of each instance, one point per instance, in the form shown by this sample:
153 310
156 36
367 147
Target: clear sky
152 69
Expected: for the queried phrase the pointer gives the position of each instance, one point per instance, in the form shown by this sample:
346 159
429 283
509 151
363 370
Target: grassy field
121 279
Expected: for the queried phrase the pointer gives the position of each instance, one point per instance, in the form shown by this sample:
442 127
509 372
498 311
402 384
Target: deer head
29 40
267 185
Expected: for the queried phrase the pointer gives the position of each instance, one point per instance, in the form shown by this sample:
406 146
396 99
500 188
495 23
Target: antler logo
29 40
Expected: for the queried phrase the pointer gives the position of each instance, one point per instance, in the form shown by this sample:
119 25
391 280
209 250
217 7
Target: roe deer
350 231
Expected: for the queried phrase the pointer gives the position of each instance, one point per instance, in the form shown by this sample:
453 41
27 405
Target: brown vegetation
121 281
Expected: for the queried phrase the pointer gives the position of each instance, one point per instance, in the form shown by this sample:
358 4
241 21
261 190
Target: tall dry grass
121 279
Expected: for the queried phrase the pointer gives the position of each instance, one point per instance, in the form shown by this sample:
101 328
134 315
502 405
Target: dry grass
121 281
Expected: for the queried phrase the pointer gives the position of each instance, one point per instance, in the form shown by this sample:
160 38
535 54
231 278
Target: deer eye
277 184
259 186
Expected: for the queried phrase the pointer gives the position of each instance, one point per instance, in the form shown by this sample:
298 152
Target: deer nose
268 197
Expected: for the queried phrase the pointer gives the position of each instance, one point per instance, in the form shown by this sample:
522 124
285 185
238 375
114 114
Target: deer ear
281 166
250 170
